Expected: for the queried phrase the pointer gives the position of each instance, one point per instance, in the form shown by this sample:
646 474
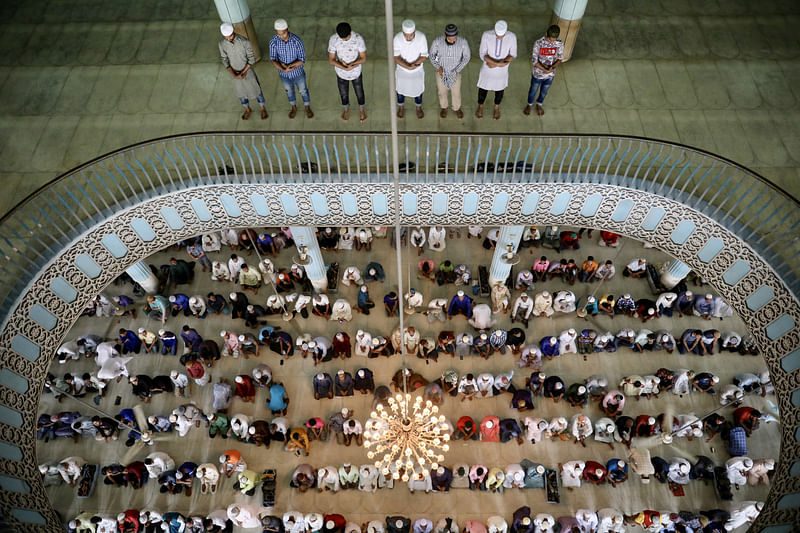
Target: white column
315 270
237 12
674 273
141 274
500 270
567 15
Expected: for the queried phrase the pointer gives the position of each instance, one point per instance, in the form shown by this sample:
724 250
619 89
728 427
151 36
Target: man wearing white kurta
497 50
410 52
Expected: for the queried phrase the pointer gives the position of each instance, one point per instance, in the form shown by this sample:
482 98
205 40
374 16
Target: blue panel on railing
591 205
10 451
379 204
143 229
320 204
349 204
682 232
710 250
43 317
87 265
530 203
28 516
173 219
791 362
736 272
115 246
201 210
795 469
289 204
791 500
25 347
14 381
500 203
439 204
63 290
759 298
785 528
560 203
14 484
653 218
10 416
260 205
470 203
622 211
409 204
230 205
780 327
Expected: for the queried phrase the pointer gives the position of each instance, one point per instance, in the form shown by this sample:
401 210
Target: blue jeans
300 81
246 102
401 99
536 85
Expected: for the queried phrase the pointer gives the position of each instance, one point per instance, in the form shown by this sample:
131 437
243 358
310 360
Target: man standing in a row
237 56
548 52
288 55
449 55
346 52
497 50
410 52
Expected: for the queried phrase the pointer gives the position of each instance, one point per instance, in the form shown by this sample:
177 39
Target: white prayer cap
398 523
688 293
172 298
178 475
545 294
320 376
651 311
340 372
141 330
483 336
542 375
500 28
232 295
518 476
581 390
361 373
460 293
440 470
375 341
173 418
684 468
651 421
312 344
626 296
553 340
559 385
223 458
251 430
709 297
598 472
120 517
193 300
162 331
572 332
241 338
346 465
281 24
591 299
715 379
152 419
664 337
173 374
526 521
360 332
250 308
226 29
409 26
345 412
238 379
363 288
540 469
223 333
489 424
329 524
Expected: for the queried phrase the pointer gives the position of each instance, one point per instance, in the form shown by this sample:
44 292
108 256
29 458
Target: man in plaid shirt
288 55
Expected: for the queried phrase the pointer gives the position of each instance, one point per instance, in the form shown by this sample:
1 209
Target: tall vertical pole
395 174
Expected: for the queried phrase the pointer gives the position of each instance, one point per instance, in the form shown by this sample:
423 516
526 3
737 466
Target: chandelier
407 437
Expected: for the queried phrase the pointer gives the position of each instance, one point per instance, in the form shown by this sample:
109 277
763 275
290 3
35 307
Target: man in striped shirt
288 55
449 54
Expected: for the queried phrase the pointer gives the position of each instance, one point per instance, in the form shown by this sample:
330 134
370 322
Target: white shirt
526 305
481 316
436 239
410 82
495 79
346 52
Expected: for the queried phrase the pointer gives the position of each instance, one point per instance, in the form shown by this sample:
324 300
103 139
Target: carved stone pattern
64 266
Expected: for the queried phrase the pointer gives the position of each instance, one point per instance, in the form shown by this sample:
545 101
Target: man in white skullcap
197 305
288 54
543 305
410 49
679 471
238 58
180 382
738 469
743 513
497 50
759 473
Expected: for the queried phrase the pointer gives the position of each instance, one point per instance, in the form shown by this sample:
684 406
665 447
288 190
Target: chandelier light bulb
395 475
405 477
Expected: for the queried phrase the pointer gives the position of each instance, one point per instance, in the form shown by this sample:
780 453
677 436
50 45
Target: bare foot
346 114
362 115
246 113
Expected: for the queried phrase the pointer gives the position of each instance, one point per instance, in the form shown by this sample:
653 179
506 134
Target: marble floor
297 374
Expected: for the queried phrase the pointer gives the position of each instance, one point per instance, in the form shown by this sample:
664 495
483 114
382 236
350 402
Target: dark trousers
344 90
498 96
